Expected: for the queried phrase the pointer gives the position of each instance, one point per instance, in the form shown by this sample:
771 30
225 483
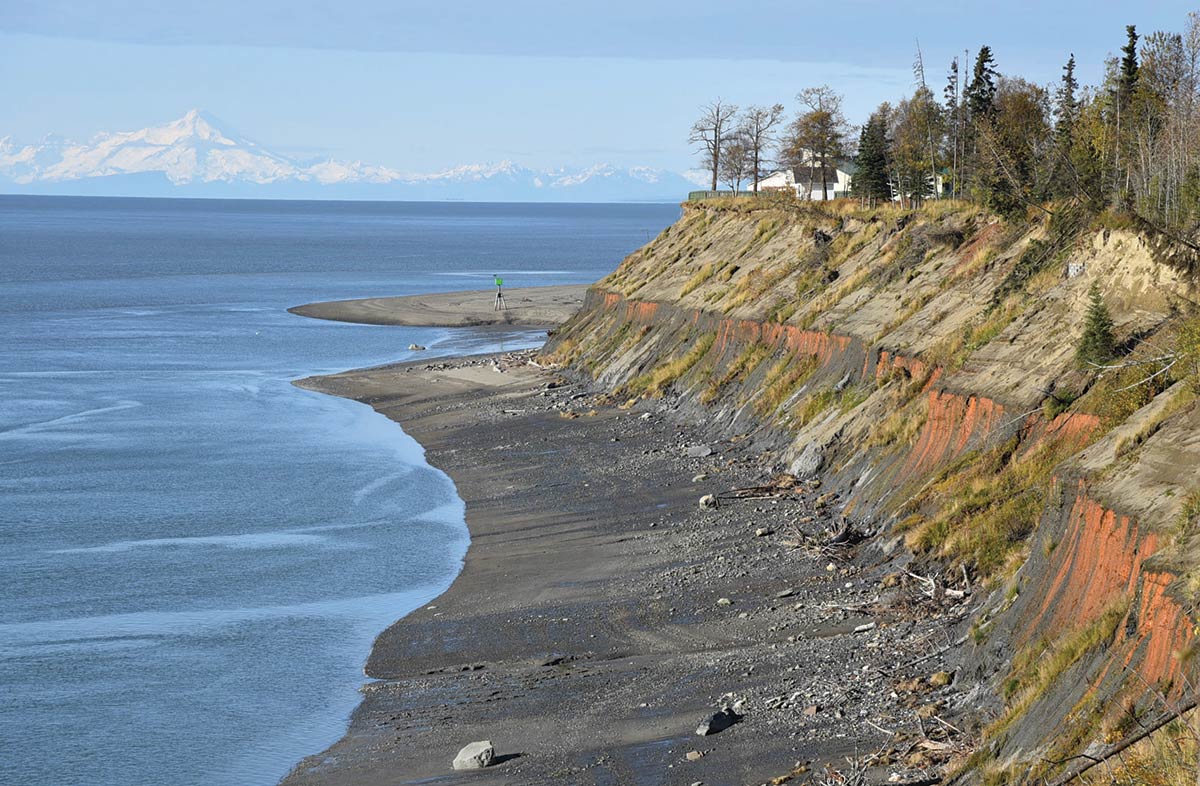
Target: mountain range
192 156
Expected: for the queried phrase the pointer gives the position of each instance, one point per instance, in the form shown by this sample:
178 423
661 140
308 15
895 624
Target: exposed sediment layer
918 367
921 376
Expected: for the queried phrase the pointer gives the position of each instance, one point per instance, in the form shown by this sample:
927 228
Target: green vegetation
745 364
1118 393
812 405
1035 670
1188 520
984 505
1130 444
1096 345
1130 143
1038 666
1062 231
1058 402
700 276
1187 347
781 382
657 380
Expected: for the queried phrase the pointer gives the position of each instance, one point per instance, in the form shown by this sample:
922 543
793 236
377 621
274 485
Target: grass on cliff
1035 670
1169 757
737 371
697 279
984 505
782 380
658 379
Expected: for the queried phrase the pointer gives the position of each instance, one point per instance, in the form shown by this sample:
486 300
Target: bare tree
756 131
930 121
710 132
737 161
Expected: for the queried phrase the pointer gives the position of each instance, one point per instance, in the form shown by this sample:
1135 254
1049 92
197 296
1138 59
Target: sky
421 85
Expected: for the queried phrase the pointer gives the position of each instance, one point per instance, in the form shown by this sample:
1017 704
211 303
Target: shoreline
588 632
546 307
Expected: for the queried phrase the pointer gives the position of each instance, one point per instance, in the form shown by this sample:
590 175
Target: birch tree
709 134
757 133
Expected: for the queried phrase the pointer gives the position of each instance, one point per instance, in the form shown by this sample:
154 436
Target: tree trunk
716 157
824 190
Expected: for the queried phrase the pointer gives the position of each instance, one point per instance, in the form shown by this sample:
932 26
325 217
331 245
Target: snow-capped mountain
192 156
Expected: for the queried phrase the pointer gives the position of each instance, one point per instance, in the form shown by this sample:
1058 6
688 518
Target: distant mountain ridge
192 156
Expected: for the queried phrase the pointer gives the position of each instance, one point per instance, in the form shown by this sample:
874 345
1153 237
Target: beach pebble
762 532
698 451
724 602
708 501
475 756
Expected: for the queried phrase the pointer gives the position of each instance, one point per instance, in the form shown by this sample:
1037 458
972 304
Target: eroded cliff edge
922 363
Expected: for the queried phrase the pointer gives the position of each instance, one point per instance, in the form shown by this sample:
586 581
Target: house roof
802 176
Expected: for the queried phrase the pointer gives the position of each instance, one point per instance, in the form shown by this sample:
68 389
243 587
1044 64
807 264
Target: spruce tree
1096 345
981 92
871 178
951 95
1066 112
979 105
1129 67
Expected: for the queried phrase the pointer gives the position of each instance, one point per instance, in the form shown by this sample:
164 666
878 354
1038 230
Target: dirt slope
923 364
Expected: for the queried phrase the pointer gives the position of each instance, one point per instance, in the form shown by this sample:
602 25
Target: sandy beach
529 306
602 614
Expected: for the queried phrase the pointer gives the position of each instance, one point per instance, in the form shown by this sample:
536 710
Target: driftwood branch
1113 750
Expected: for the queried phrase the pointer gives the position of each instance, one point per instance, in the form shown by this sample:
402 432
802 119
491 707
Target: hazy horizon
422 88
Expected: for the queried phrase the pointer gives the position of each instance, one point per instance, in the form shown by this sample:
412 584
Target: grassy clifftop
924 363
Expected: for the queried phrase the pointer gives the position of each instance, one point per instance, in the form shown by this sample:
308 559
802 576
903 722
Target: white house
805 179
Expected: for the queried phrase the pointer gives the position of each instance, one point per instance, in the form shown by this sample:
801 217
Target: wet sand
529 306
601 613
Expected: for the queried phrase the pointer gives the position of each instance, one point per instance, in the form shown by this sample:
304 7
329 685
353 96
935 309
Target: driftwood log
1112 750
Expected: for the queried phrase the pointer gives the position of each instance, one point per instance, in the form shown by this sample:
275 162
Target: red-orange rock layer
823 346
1100 562
1071 430
955 421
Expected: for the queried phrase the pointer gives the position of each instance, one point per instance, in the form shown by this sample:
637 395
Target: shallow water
195 554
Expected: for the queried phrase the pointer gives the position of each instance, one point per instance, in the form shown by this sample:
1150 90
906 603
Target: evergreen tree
978 105
1066 104
1129 67
1066 111
871 178
1126 86
980 95
1097 344
954 123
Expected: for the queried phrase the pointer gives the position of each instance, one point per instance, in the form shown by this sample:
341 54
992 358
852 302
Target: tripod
499 304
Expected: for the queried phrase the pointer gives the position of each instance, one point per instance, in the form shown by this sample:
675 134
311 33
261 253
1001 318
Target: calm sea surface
195 555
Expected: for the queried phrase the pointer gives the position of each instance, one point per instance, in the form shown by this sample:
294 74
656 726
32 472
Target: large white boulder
475 756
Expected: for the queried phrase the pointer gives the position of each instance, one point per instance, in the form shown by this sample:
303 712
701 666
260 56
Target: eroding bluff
922 363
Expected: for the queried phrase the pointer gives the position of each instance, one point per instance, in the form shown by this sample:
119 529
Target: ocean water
195 555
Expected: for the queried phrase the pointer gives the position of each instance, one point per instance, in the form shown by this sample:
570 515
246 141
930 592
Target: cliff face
922 363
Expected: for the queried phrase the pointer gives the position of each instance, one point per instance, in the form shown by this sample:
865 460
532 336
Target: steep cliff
923 364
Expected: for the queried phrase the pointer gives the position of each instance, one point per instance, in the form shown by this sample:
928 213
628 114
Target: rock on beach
475 756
